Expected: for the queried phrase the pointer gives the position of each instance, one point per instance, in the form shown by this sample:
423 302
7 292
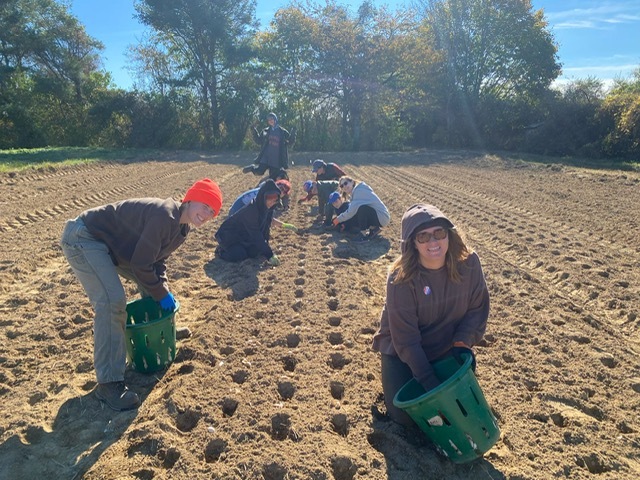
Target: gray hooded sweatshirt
362 194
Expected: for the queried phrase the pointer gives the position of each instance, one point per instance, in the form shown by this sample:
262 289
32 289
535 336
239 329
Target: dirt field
278 380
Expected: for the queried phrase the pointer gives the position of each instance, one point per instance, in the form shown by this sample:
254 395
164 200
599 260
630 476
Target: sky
596 38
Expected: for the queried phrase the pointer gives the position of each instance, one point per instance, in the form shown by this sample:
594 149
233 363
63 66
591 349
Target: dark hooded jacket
251 225
285 140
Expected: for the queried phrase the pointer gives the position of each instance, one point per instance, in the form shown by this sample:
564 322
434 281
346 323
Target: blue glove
168 302
457 354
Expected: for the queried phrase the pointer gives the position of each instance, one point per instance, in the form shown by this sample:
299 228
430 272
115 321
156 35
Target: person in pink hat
131 239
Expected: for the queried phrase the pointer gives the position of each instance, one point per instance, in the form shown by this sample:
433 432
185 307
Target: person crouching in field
326 171
246 233
285 193
334 207
437 304
365 207
322 189
132 239
245 198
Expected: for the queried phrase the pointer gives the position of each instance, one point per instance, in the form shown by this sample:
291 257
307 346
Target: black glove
430 381
457 354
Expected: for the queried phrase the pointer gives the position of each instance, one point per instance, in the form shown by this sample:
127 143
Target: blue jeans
92 265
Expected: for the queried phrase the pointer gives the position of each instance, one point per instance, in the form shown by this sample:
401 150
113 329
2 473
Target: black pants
366 217
237 252
260 168
395 373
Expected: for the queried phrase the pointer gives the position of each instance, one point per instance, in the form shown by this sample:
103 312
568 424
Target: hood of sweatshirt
267 188
421 216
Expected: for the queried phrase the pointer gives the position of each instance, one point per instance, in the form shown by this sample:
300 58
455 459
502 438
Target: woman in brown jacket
437 303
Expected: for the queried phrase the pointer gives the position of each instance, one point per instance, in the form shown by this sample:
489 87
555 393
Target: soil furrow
278 379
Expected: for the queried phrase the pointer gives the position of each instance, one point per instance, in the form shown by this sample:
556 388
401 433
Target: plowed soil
278 380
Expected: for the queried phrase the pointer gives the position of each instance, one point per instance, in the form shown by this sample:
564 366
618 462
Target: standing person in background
246 233
132 238
365 207
274 150
437 304
326 171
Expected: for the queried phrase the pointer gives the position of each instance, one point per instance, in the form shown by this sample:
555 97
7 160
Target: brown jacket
141 233
422 318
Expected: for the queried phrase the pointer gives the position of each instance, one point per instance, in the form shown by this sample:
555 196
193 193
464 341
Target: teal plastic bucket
454 415
150 335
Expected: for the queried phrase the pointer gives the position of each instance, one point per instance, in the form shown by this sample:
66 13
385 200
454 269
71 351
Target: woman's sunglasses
439 234
344 184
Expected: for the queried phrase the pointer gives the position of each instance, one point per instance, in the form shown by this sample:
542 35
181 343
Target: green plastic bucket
454 415
150 335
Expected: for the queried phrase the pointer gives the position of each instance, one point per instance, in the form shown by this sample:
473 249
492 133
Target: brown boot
117 396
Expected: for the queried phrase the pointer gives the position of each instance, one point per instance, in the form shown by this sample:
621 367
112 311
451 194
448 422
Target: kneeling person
246 233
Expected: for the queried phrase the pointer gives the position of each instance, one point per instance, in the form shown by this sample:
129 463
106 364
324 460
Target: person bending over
130 239
246 233
326 171
322 190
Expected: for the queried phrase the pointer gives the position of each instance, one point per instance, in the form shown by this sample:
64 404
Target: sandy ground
278 380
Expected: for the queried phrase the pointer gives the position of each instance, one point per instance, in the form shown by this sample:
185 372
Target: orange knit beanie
205 191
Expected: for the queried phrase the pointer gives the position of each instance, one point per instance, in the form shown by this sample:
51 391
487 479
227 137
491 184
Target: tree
492 49
205 41
338 64
567 123
621 114
46 60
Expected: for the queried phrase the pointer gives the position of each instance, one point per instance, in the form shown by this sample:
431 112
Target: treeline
451 73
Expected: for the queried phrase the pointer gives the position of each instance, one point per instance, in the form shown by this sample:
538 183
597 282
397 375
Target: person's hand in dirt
289 226
286 226
274 261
